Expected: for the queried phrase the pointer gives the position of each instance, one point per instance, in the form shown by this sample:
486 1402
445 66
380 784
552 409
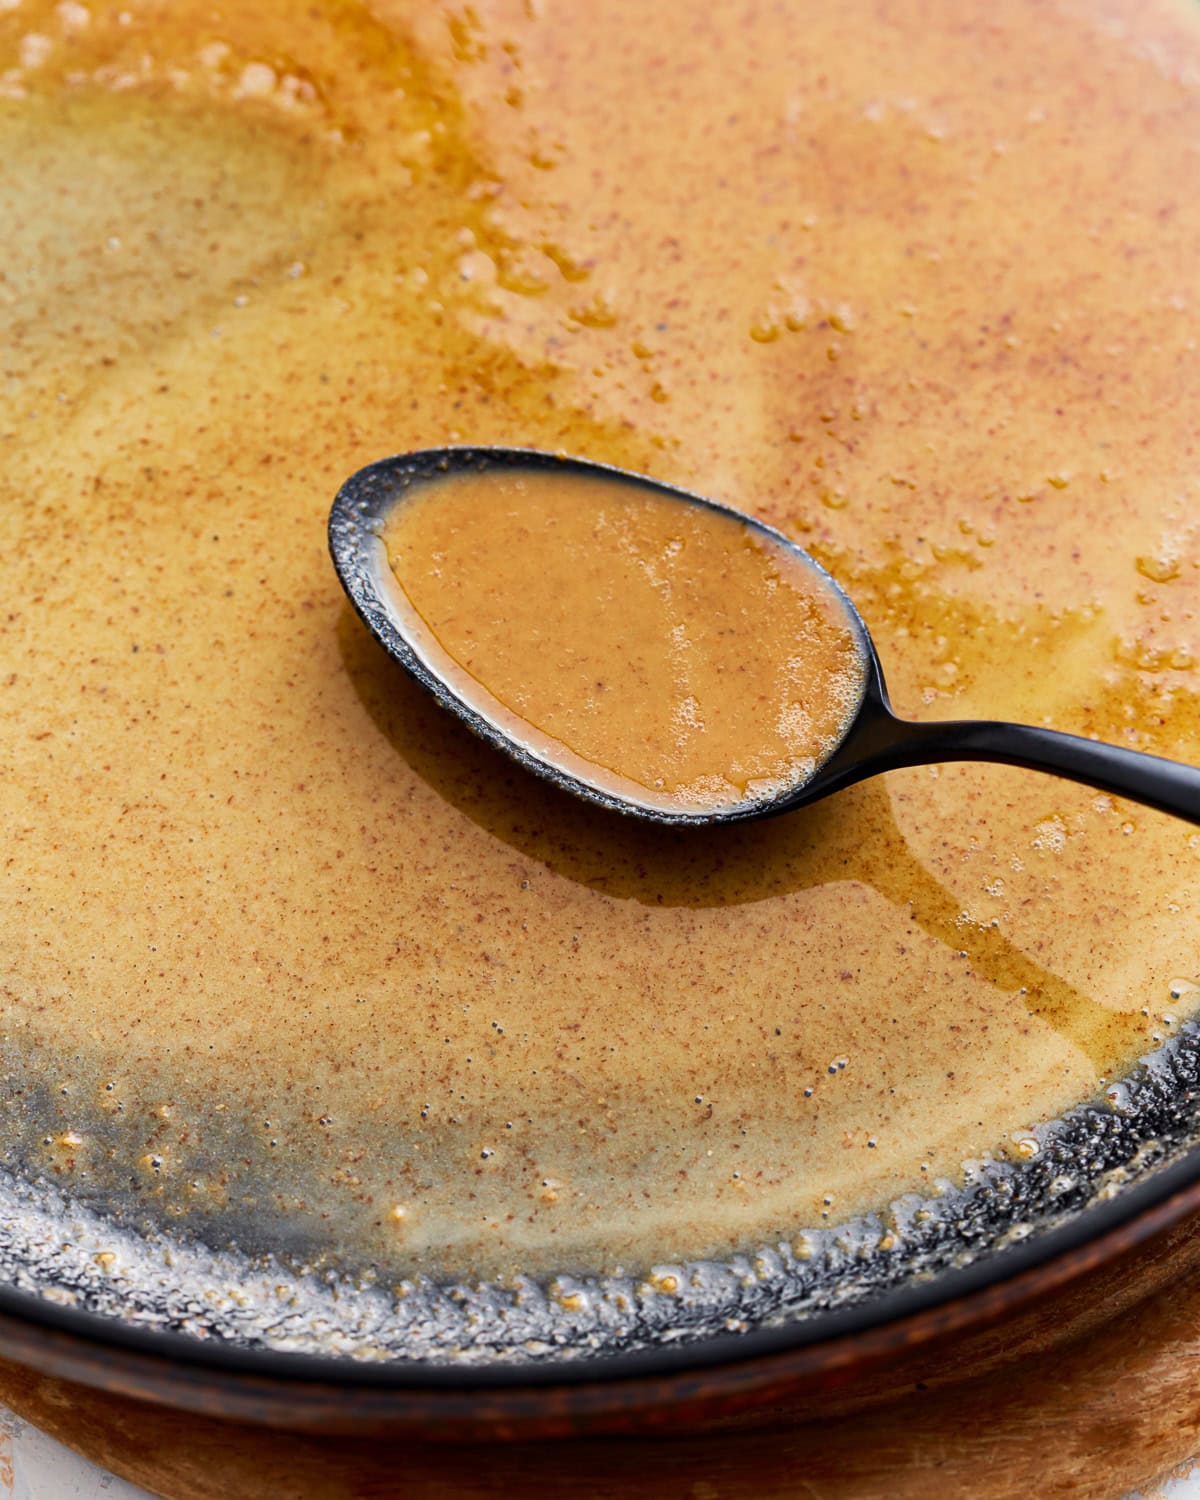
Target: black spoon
874 739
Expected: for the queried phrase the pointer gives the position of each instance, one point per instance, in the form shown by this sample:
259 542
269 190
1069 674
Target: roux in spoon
649 649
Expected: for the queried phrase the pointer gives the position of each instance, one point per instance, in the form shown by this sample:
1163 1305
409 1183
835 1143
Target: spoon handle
1167 785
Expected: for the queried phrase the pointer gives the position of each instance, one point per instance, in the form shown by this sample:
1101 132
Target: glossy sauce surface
287 955
656 649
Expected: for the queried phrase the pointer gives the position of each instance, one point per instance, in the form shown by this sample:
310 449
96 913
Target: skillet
1104 1169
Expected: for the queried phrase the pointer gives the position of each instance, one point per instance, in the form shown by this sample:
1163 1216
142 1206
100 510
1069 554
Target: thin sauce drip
662 651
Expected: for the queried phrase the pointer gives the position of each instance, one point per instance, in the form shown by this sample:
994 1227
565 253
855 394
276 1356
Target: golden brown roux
662 651
916 282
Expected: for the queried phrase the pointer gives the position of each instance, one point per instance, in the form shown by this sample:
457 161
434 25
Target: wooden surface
1017 1415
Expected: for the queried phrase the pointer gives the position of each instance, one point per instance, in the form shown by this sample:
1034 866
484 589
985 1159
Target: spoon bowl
870 738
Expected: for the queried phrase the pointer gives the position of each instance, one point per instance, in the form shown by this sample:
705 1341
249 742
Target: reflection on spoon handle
1167 785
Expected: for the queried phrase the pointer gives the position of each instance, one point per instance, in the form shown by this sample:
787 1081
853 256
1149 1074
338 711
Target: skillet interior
166 1276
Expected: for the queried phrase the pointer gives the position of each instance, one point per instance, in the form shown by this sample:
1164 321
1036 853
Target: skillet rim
94 1347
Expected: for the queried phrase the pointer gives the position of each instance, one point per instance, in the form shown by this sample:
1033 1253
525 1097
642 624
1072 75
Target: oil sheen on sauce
657 649
287 955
